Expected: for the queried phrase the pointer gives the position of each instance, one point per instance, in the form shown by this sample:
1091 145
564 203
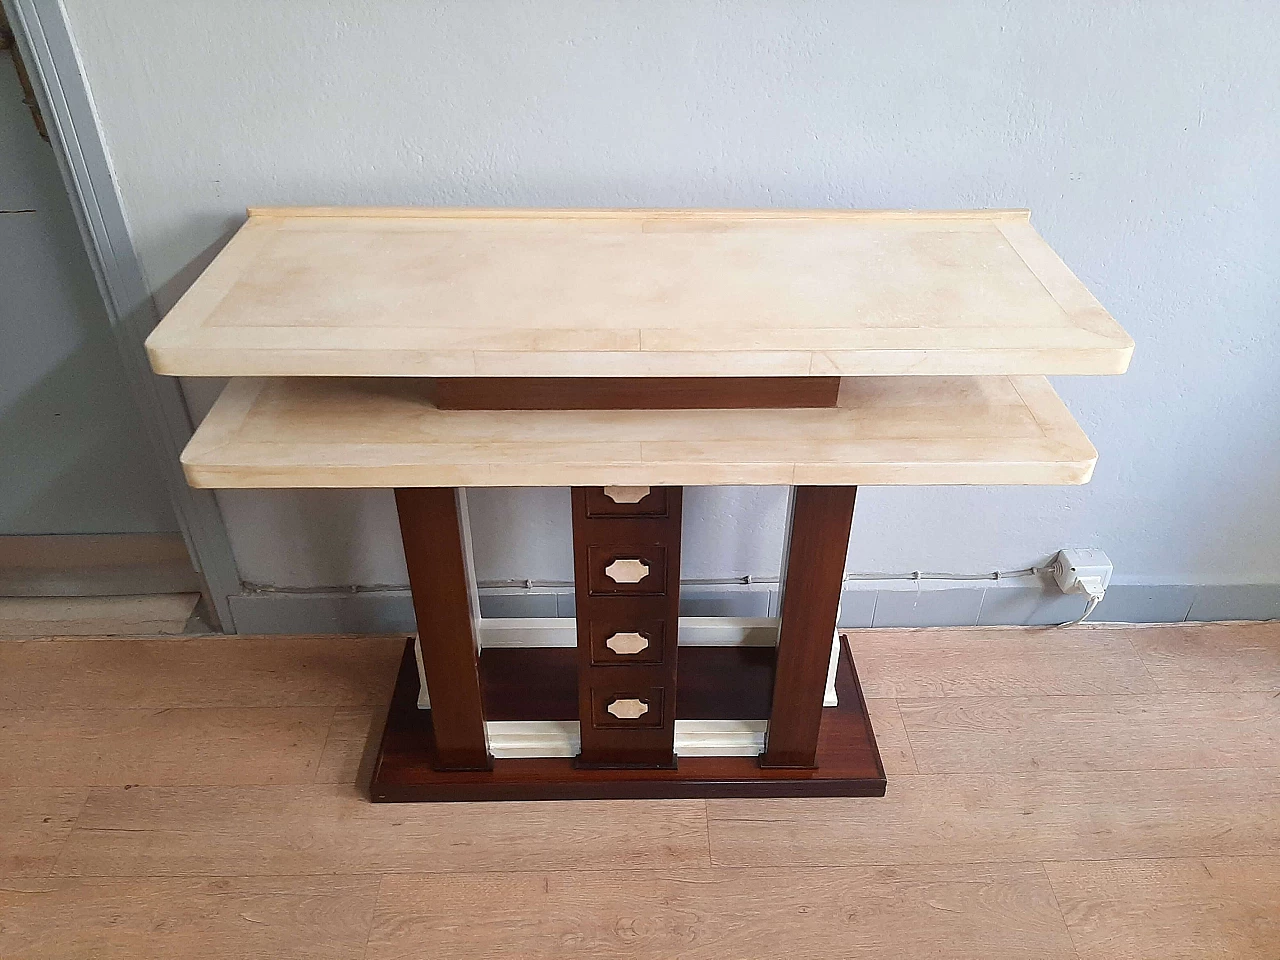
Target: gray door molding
44 39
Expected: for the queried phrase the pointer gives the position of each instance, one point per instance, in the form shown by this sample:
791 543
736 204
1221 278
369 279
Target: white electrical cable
748 579
1092 588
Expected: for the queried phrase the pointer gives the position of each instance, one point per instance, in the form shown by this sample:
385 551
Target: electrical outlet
1072 565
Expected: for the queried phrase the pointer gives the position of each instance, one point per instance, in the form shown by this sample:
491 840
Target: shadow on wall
170 292
74 458
316 539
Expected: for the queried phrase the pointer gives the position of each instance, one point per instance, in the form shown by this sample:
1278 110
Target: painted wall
1143 136
73 457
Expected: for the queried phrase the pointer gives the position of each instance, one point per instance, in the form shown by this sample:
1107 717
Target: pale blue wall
1143 136
73 457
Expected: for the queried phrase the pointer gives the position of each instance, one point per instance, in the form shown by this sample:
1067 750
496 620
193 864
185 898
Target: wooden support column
821 519
626 564
444 603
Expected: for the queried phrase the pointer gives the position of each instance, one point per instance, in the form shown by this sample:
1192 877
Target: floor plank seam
66 841
324 744
1081 771
373 916
552 869
1066 925
1157 694
816 865
1146 669
911 750
1037 771
496 871
59 711
706 828
216 785
1173 856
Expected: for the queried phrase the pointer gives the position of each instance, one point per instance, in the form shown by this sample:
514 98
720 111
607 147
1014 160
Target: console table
627 354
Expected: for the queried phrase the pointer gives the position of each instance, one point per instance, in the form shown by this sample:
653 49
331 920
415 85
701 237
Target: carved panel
627 570
626 494
626 644
628 709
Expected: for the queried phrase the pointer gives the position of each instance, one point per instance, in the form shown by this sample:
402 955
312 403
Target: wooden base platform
848 761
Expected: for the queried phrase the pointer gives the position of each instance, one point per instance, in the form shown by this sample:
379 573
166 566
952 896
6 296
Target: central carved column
626 561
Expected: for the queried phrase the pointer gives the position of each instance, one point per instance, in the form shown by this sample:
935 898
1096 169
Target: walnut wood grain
439 578
820 521
541 683
632 393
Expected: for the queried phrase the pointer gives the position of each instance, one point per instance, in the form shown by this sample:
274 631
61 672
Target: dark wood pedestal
721 680
621 681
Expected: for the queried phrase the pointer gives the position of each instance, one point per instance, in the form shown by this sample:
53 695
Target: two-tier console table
627 354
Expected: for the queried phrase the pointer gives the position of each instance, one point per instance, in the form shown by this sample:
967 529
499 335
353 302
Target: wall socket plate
1072 564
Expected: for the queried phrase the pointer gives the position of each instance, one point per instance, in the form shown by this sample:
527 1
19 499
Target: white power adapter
1082 571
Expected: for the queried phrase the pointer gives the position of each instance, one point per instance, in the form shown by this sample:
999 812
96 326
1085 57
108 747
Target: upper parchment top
635 293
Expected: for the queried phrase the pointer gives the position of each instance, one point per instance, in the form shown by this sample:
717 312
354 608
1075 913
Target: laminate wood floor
1095 792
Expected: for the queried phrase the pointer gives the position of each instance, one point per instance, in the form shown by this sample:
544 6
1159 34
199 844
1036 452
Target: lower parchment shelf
715 683
886 430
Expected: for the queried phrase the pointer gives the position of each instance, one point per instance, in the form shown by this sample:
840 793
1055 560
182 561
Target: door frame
45 43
